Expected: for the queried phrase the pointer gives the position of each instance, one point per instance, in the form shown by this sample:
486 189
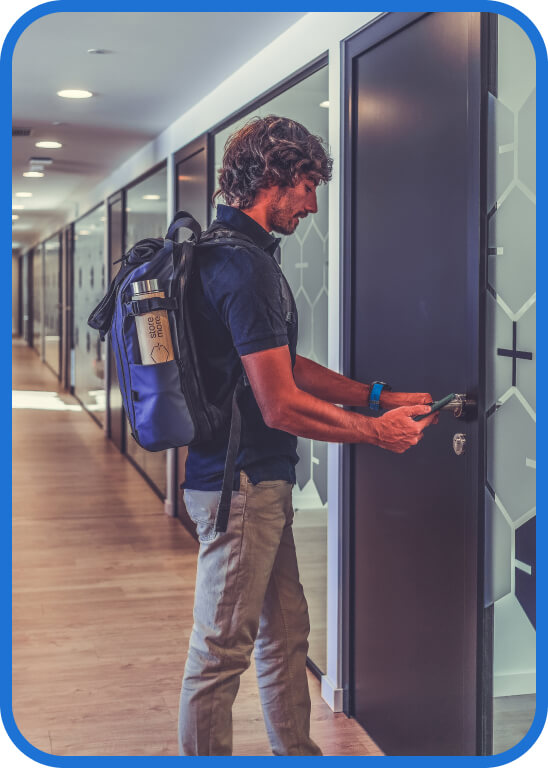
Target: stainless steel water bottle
152 327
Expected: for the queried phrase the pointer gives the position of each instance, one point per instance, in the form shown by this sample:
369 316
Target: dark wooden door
413 250
115 408
191 194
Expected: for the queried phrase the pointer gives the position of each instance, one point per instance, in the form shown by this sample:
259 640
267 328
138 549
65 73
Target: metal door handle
462 406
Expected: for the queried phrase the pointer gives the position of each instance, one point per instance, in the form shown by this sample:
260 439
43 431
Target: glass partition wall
304 260
510 367
52 303
25 297
38 299
15 295
146 216
89 289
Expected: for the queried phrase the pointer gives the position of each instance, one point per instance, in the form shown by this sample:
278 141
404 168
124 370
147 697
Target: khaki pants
248 596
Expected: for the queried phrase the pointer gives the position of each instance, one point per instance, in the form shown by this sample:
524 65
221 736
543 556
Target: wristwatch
375 394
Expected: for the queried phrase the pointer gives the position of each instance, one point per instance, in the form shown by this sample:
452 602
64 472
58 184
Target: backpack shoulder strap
187 220
223 510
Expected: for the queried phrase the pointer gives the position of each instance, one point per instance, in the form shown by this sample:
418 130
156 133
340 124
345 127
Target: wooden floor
512 718
102 595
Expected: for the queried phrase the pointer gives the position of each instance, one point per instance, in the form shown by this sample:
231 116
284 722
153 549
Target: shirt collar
240 221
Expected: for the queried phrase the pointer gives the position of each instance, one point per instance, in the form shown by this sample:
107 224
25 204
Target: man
248 594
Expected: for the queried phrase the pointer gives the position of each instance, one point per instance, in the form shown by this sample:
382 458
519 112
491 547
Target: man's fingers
432 419
416 410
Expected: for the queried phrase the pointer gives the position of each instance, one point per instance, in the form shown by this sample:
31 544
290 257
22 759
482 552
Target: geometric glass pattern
304 261
38 299
15 308
511 362
25 296
147 218
52 314
89 362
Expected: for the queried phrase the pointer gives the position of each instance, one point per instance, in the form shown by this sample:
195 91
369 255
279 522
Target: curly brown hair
270 151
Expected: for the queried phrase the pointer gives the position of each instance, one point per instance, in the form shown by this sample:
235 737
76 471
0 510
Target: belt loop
244 480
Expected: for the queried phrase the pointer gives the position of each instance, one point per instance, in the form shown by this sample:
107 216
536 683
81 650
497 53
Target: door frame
480 657
59 303
67 327
30 297
117 197
20 258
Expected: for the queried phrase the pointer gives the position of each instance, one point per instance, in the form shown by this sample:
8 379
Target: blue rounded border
320 5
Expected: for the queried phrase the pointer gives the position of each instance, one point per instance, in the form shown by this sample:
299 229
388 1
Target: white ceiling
160 65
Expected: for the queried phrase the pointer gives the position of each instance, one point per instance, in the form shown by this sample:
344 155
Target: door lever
462 406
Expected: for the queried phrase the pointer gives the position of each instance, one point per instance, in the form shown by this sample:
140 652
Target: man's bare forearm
338 389
305 415
328 385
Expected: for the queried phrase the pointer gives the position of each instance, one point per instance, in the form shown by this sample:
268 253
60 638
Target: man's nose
312 203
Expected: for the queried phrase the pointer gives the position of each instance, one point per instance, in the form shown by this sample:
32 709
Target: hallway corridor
102 594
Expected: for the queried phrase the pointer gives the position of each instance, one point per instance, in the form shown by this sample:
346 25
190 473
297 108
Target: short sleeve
243 286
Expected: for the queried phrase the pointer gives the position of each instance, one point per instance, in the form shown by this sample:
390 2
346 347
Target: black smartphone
436 406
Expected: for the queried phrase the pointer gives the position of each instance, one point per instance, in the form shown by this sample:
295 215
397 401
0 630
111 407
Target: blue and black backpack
166 403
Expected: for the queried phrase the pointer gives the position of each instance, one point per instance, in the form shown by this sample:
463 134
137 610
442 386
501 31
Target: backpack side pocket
162 419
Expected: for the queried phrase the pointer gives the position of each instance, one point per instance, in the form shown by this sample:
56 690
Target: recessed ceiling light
83 231
151 197
14 216
48 144
17 207
23 194
99 51
33 174
74 94
324 104
128 210
15 245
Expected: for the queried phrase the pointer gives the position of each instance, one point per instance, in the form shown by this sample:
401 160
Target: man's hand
397 431
391 400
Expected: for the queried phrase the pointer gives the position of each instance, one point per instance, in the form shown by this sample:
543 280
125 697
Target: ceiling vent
40 160
18 131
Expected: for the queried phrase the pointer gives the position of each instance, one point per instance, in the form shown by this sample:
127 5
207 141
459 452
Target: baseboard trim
514 685
331 695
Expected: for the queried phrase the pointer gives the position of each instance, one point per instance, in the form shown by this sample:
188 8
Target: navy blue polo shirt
239 306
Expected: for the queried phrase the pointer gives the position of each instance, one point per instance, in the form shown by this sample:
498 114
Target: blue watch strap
375 395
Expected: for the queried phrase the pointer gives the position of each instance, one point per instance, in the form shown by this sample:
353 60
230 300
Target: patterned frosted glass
304 260
52 313
25 296
14 295
37 299
89 289
147 218
511 363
